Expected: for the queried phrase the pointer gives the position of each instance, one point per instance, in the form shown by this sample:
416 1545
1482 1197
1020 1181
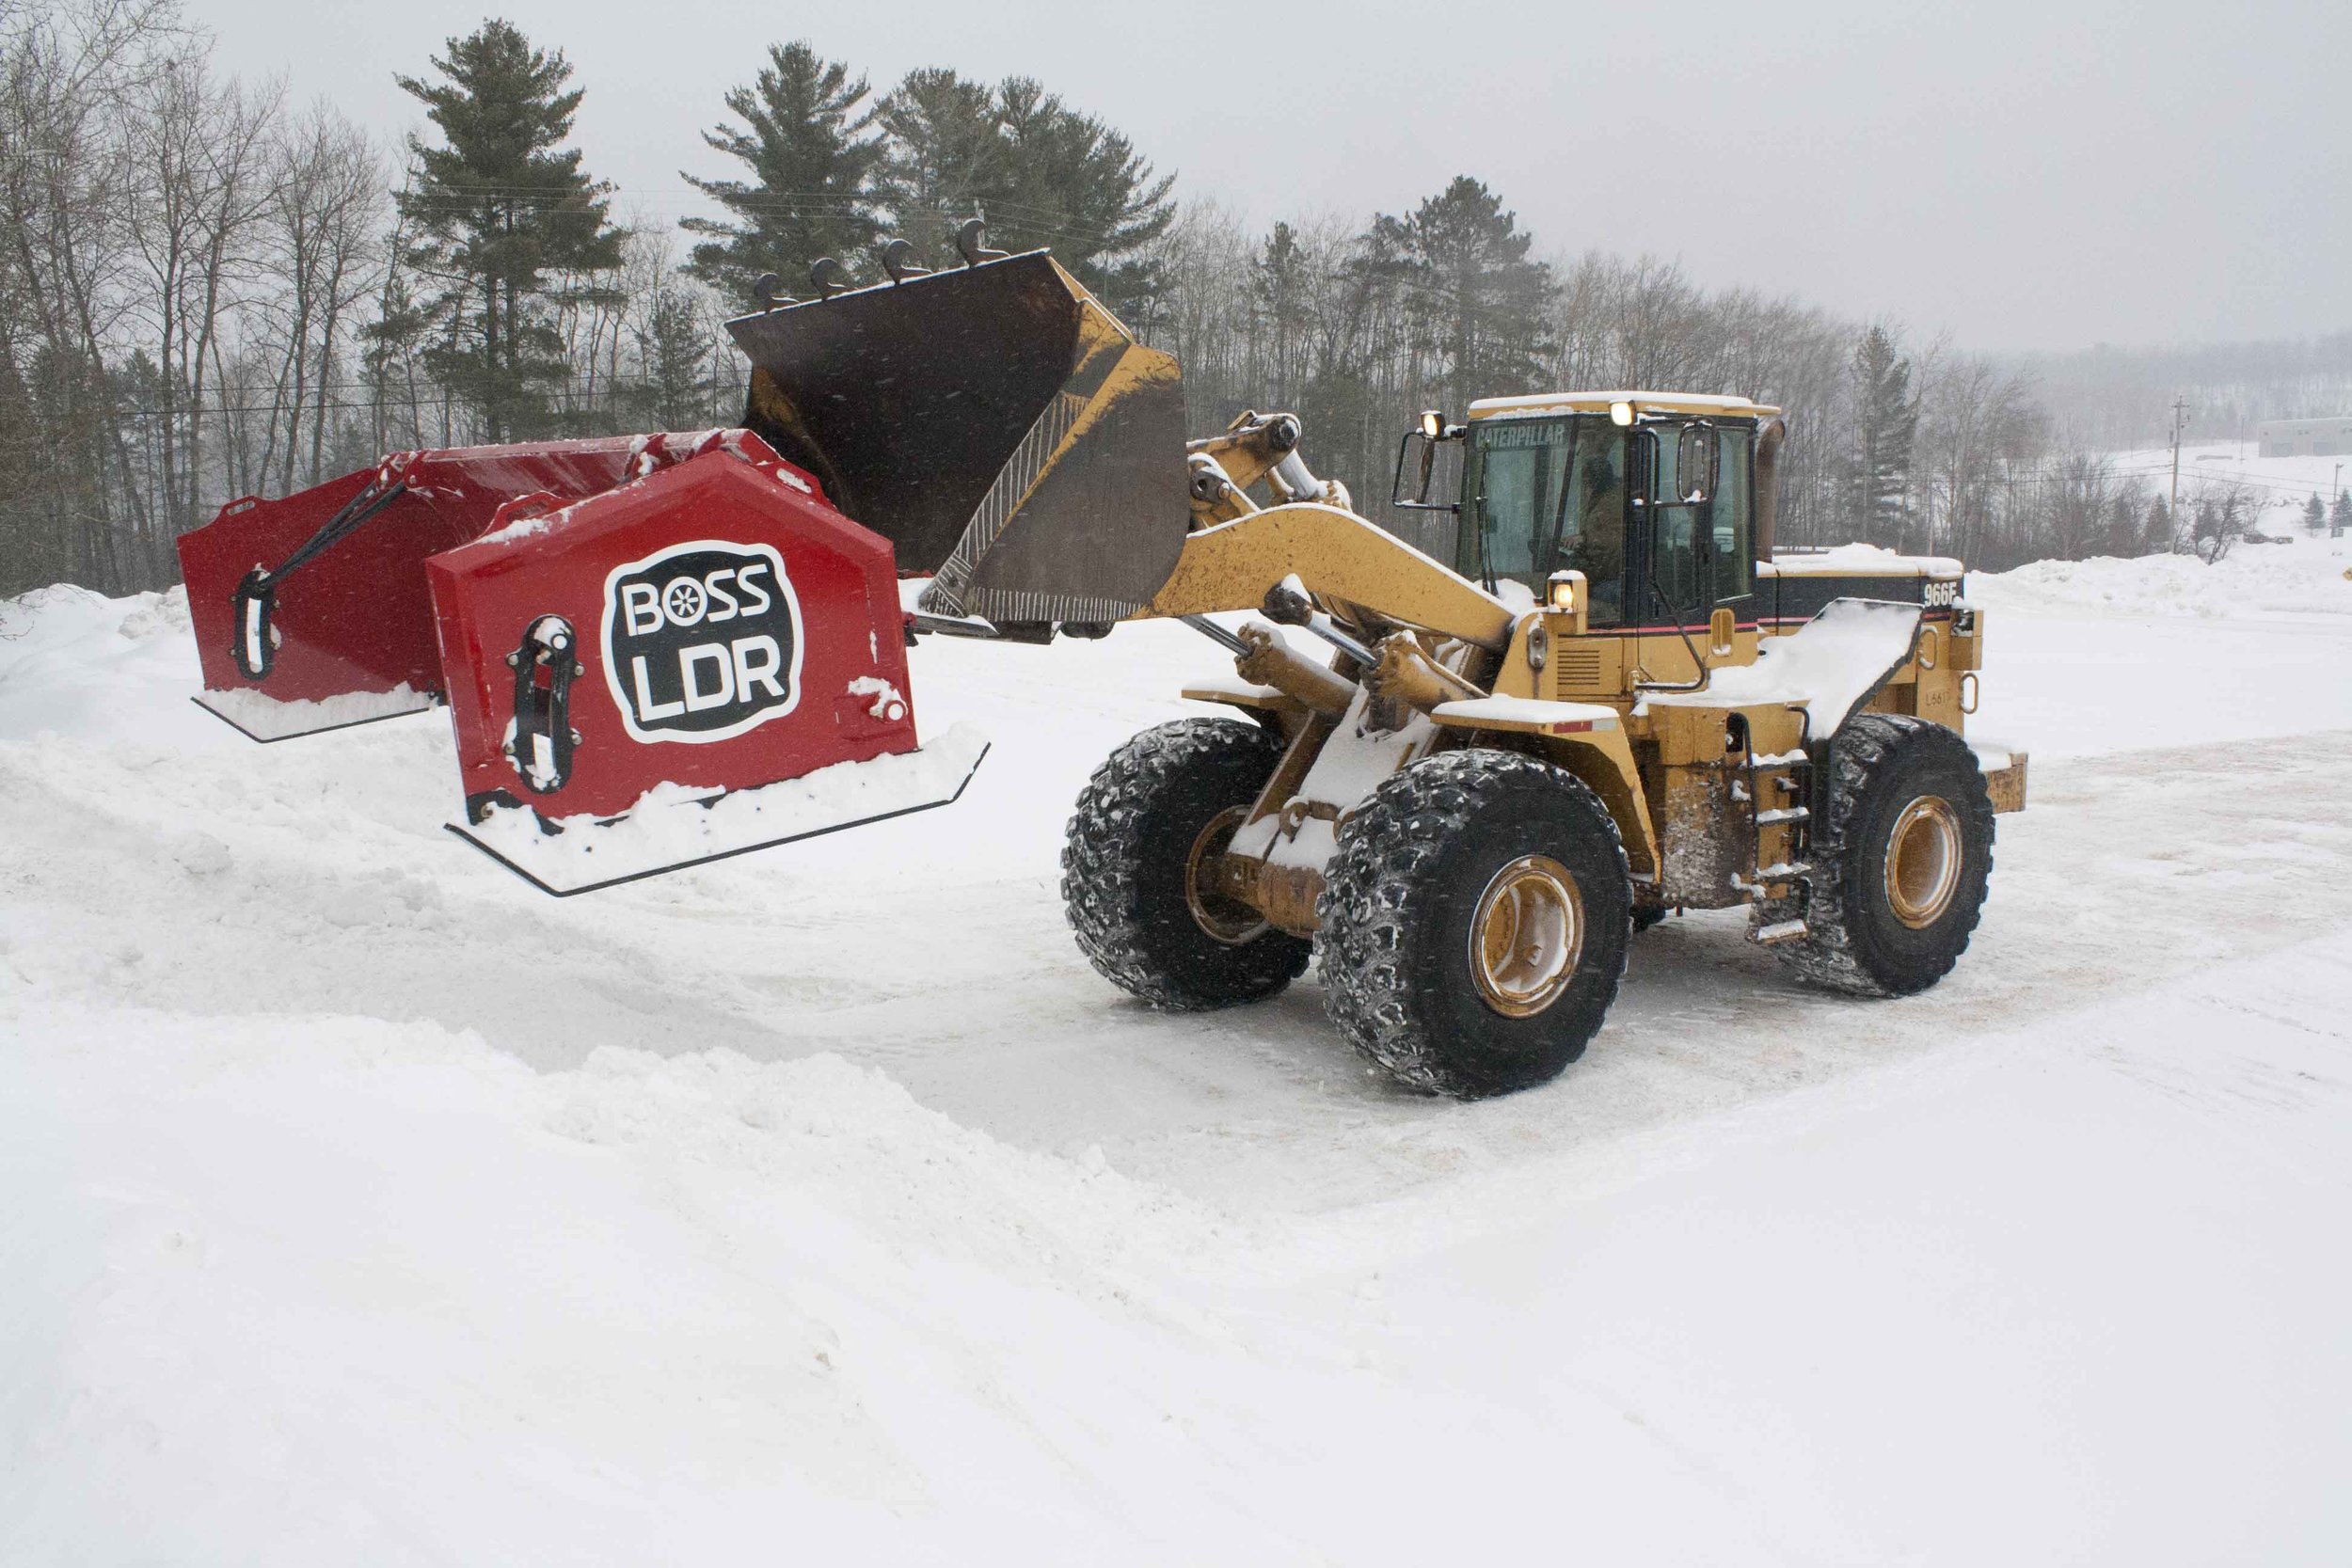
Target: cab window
1729 517
1516 476
1592 523
1699 554
1545 494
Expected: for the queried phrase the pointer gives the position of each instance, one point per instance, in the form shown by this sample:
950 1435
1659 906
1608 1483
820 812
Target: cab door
1700 555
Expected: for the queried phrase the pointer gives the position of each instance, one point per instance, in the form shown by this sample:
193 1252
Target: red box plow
661 649
656 650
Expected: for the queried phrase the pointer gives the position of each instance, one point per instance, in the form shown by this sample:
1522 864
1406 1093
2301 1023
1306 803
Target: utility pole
2180 411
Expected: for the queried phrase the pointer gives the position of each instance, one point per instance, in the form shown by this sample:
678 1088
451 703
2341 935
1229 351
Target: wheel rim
1527 935
1923 859
1224 918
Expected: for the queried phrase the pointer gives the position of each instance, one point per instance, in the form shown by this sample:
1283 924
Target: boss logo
1935 595
702 641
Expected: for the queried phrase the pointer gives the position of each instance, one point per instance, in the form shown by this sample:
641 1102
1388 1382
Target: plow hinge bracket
543 740
254 643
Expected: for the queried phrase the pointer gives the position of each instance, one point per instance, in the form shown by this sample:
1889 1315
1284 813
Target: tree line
209 291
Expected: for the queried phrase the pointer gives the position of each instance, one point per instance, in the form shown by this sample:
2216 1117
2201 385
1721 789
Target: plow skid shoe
629 675
997 424
312 612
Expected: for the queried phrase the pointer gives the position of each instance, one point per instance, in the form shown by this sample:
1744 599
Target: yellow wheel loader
1460 787
1615 701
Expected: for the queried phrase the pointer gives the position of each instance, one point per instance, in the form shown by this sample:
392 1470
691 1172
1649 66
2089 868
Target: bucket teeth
972 243
896 260
831 277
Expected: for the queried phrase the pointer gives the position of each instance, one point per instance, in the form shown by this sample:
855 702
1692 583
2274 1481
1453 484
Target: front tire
1900 866
1152 814
1474 923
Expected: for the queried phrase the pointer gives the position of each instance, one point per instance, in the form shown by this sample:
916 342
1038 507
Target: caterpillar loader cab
1653 503
1458 788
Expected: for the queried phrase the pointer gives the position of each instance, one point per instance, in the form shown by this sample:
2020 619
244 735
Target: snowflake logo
682 601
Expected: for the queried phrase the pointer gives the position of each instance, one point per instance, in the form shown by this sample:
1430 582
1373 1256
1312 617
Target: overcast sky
2025 176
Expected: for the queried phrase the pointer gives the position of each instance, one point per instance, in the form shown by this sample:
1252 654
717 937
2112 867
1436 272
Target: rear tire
1900 866
1127 865
1474 923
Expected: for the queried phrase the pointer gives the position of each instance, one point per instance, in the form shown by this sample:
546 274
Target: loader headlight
1560 592
1432 425
1621 414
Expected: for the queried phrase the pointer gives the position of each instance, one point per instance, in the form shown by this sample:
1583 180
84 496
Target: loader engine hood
997 424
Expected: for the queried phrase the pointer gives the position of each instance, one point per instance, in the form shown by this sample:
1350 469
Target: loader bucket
998 426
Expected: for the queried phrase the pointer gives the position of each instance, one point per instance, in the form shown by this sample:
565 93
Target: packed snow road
372 1205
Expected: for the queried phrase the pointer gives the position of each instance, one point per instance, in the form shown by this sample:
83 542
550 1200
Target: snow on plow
656 650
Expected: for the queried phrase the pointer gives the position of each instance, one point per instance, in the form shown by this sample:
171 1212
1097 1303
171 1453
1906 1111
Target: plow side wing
997 424
348 634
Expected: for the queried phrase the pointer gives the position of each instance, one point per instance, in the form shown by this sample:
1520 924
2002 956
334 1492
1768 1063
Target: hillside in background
2114 397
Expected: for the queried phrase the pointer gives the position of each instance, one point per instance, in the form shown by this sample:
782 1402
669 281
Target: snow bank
2305 577
43 631
325 1290
74 662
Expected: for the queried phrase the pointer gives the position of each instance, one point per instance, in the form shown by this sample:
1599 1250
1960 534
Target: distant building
2329 437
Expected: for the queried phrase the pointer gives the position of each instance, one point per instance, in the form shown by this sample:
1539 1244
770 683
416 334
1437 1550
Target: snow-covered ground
360 1203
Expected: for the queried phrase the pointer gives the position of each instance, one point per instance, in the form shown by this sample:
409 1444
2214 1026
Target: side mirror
1420 449
1687 476
1696 454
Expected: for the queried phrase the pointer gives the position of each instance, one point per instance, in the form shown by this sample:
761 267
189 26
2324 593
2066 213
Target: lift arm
1339 556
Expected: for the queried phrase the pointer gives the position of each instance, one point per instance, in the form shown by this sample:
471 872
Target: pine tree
393 340
2122 528
812 192
2314 514
1072 183
2341 517
944 157
1886 416
1277 313
2156 531
674 356
1478 304
496 211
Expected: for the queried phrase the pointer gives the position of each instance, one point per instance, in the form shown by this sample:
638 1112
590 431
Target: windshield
1545 494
